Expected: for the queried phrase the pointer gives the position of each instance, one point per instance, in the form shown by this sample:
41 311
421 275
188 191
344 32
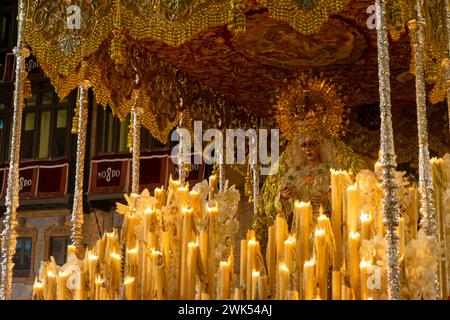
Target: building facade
47 164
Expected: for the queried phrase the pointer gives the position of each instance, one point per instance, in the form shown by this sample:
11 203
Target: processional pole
388 163
447 60
77 218
427 219
136 114
9 234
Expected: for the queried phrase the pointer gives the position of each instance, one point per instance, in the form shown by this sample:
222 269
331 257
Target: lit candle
213 184
322 262
289 250
98 286
353 207
160 196
255 276
157 278
61 283
132 261
192 269
183 196
262 287
237 294
251 247
195 201
308 279
49 293
271 258
115 267
283 280
224 274
80 287
203 242
173 187
366 226
131 236
354 242
37 290
186 238
281 235
100 249
336 285
243 261
129 288
363 266
304 215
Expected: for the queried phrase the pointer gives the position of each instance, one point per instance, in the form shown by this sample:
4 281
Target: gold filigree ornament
309 104
305 16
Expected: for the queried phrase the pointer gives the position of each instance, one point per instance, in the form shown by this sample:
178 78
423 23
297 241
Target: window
113 134
58 249
149 143
45 132
23 258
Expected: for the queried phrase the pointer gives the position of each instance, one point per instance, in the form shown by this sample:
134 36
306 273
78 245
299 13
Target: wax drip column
77 210
428 220
255 174
221 166
447 61
388 163
9 234
136 113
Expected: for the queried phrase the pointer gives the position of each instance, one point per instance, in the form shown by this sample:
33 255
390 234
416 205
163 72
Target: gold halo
309 103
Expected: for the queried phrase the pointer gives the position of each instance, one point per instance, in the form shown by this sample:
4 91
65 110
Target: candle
363 266
213 184
98 286
401 235
115 270
50 286
131 236
283 280
173 187
37 290
366 226
262 287
100 249
304 215
192 269
308 279
224 274
203 242
353 207
80 287
213 230
237 294
61 283
289 249
255 276
186 238
160 196
132 261
92 263
129 288
336 285
159 283
251 248
354 241
149 221
243 261
292 295
183 196
195 201
281 234
271 258
322 262
157 278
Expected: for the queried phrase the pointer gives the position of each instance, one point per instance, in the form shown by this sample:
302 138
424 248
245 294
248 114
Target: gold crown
309 104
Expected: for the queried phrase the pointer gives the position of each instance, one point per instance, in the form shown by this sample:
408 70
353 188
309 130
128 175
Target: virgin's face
311 149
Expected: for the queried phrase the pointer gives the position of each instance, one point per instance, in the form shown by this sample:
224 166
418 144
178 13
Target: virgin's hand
288 192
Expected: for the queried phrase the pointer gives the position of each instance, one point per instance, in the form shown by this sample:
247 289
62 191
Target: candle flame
364 264
149 210
365 217
319 232
128 280
290 240
115 256
252 242
187 210
354 235
38 285
301 204
255 274
50 274
155 252
193 244
132 250
309 263
63 273
224 264
92 257
214 209
283 267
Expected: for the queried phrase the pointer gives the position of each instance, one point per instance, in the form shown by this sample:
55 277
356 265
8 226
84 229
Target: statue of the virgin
309 113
